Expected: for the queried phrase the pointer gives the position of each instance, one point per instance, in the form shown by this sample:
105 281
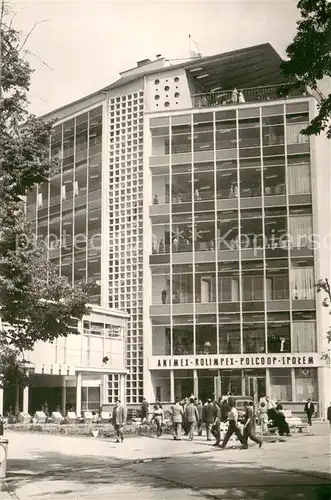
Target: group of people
191 414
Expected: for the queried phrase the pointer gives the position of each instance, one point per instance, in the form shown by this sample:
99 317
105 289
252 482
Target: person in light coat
177 420
118 420
192 417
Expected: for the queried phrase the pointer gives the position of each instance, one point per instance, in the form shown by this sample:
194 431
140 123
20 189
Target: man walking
249 425
208 417
191 417
144 411
225 409
233 425
118 419
309 410
200 421
177 420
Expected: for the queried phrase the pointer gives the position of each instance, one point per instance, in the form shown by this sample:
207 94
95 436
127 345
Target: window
299 178
304 336
306 384
301 230
252 287
280 385
302 283
277 286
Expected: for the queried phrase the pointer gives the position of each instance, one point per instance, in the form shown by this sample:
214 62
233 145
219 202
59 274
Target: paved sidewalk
46 467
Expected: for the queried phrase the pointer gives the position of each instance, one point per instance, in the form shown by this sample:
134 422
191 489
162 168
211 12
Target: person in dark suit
249 425
199 406
118 420
328 415
309 410
225 409
144 410
208 416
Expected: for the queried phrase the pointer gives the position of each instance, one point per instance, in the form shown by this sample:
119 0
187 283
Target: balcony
249 95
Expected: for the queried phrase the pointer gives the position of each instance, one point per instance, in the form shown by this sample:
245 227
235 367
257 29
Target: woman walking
158 416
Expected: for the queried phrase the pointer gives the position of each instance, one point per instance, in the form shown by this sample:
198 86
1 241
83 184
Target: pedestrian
233 425
192 417
249 424
225 409
185 402
118 420
216 427
209 416
200 421
263 416
158 419
164 296
177 420
309 410
279 420
271 405
144 410
328 415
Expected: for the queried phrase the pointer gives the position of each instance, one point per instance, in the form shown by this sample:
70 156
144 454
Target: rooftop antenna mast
194 53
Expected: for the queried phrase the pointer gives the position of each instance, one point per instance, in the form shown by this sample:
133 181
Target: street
50 467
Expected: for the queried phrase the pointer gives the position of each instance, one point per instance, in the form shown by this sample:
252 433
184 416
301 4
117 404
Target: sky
80 46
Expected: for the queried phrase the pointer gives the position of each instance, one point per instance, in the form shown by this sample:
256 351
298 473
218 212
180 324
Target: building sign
234 361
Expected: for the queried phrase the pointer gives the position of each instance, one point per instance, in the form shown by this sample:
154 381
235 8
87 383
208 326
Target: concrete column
195 383
293 384
243 383
26 399
267 382
172 386
122 388
1 401
64 397
79 394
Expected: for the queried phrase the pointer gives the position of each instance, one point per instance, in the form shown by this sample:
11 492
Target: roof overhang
256 66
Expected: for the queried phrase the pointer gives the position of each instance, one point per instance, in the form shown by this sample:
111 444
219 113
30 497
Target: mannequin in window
175 244
235 191
231 194
161 246
282 344
241 97
156 200
164 296
234 96
197 196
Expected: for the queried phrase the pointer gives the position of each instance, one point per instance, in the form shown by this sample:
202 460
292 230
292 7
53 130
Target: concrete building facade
203 213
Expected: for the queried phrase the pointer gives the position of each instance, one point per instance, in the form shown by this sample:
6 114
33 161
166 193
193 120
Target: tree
323 285
36 304
310 58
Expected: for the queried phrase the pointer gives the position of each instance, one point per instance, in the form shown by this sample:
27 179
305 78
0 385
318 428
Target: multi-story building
72 373
195 200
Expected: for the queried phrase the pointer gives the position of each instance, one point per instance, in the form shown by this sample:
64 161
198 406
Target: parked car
240 400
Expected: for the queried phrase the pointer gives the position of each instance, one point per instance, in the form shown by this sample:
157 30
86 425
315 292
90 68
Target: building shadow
64 474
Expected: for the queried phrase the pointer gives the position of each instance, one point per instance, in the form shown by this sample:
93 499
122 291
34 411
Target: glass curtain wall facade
232 264
67 210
